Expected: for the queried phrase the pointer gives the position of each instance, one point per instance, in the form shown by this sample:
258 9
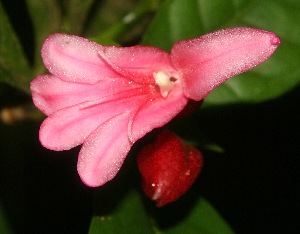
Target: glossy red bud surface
168 167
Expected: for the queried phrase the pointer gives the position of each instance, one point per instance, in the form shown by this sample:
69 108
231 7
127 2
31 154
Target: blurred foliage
40 189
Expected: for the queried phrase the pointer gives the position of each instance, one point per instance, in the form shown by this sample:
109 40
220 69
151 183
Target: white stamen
163 80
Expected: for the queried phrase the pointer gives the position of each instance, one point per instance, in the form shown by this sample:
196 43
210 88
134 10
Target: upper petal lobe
137 63
207 61
75 59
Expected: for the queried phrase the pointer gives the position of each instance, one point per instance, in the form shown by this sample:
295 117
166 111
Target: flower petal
208 61
49 93
156 112
75 59
104 151
69 127
137 63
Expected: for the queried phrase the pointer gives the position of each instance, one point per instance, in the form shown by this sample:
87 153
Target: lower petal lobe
104 151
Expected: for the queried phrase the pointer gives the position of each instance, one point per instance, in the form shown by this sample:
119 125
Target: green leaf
75 15
129 216
14 68
4 227
124 212
128 26
46 20
117 23
202 218
181 19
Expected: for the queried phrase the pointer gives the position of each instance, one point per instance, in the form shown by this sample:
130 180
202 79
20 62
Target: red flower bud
168 167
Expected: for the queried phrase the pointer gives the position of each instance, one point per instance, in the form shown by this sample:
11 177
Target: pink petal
75 59
156 112
69 127
104 151
50 93
137 63
207 61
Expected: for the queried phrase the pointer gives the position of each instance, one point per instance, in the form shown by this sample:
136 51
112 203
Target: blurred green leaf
46 20
105 15
119 22
129 26
181 19
128 217
75 14
202 218
14 68
4 227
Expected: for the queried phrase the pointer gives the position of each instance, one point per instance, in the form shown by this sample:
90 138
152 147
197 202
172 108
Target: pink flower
107 97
